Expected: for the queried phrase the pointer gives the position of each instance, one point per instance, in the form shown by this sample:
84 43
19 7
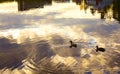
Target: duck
72 44
100 49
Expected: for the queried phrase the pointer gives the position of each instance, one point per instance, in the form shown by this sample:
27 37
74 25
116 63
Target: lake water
36 41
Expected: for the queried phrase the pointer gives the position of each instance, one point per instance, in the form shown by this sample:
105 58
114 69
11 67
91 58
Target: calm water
34 39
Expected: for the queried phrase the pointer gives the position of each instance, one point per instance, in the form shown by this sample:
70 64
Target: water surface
36 41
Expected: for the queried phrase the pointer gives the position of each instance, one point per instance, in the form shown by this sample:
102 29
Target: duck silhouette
100 49
72 44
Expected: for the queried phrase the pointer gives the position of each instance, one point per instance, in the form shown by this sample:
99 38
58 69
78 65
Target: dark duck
100 49
72 44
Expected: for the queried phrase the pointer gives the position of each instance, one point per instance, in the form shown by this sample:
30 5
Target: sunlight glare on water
38 39
46 24
8 7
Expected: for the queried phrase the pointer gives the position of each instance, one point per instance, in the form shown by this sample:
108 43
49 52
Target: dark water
35 40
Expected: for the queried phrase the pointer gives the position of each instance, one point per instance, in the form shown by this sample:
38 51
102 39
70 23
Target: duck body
100 49
72 44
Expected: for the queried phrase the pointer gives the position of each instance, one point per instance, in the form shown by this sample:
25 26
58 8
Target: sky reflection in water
37 41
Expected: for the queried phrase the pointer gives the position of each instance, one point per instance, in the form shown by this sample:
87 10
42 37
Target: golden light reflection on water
40 42
8 7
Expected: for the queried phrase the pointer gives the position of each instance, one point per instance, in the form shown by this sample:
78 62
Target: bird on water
73 44
100 49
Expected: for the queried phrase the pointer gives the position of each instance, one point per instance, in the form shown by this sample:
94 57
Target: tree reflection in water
35 61
101 6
